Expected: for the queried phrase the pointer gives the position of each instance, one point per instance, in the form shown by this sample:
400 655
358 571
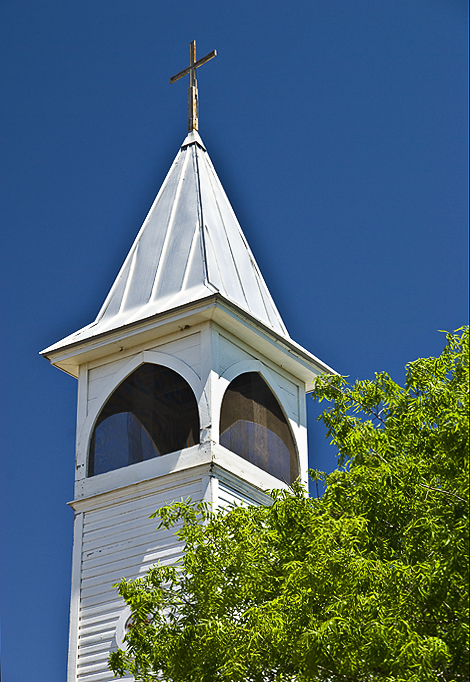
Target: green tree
369 582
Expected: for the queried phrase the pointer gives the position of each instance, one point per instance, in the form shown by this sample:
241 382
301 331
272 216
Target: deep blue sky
338 129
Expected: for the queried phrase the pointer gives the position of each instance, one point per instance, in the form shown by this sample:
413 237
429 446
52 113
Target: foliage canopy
369 582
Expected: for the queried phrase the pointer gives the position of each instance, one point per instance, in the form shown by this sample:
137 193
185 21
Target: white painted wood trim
282 351
75 597
153 357
269 376
231 480
206 364
243 469
194 465
147 343
82 408
261 353
214 491
206 489
176 463
187 372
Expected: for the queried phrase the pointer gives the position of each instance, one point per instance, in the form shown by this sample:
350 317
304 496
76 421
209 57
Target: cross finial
193 105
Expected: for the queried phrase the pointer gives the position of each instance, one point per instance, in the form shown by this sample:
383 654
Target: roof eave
288 354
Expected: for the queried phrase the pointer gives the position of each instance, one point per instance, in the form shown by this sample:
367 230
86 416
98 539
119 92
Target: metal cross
193 105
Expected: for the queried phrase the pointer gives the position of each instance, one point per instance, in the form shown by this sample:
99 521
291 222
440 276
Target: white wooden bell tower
188 385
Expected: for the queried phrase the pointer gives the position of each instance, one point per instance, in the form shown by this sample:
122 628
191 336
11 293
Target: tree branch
440 490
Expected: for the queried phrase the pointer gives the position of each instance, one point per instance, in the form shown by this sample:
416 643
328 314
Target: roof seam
228 240
189 260
169 227
217 262
201 222
129 279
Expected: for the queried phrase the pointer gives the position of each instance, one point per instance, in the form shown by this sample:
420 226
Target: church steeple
188 385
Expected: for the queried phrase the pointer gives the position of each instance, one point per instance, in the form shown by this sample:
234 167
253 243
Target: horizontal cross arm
196 65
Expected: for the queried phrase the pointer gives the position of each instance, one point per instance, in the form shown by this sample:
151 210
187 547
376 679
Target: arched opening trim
253 425
152 412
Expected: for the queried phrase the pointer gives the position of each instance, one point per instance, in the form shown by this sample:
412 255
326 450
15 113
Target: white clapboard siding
120 541
99 376
94 575
96 566
228 496
229 354
98 650
94 632
289 394
187 349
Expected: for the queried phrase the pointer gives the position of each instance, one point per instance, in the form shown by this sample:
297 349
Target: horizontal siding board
99 677
229 496
115 533
99 560
100 582
100 600
101 617
105 645
110 552
117 539
147 542
107 369
148 555
92 667
128 562
119 506
229 354
148 502
115 605
102 592
105 586
105 583
94 656
90 623
97 638
96 629
123 521
131 493
133 539
119 529
143 507
187 349
97 642
99 376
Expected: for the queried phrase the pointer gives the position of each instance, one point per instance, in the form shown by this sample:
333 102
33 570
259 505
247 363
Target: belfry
188 385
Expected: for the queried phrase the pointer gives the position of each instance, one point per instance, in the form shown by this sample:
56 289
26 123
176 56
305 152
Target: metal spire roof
189 247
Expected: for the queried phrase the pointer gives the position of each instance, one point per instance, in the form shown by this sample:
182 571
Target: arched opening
253 426
153 412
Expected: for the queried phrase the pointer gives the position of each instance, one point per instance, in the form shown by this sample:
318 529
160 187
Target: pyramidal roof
189 247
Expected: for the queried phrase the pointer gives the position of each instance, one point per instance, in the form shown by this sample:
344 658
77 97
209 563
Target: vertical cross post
193 103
